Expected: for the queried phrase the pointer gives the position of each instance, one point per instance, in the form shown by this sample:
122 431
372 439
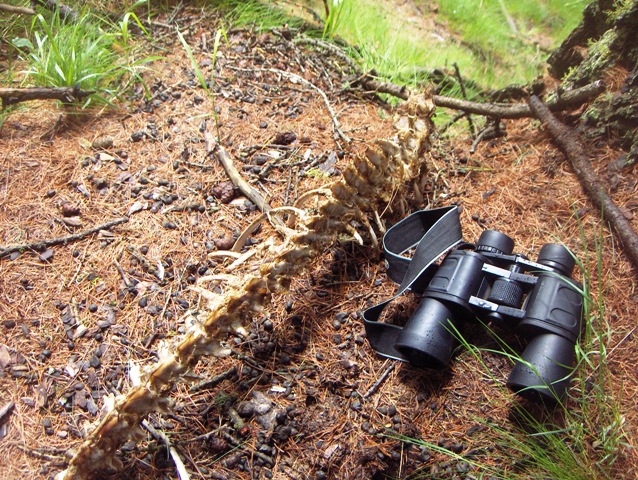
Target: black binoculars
536 299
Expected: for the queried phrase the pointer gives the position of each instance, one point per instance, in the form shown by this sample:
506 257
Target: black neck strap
432 232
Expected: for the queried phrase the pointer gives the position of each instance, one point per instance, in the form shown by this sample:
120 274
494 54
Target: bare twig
11 96
574 150
17 10
372 85
508 17
377 384
234 175
39 246
297 78
268 460
159 436
470 123
569 99
210 383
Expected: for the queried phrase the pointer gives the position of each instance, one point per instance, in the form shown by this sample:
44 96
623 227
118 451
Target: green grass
482 42
582 438
92 54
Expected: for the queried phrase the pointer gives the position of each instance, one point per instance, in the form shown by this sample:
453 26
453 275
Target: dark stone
285 138
8 324
95 361
138 136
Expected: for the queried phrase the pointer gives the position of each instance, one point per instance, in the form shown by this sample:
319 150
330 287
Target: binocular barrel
553 323
550 318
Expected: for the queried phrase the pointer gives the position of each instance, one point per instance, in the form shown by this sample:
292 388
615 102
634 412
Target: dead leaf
72 221
136 207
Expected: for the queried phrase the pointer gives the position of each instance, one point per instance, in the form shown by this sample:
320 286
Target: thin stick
457 72
384 376
298 78
207 384
182 473
575 152
39 246
14 9
227 162
508 17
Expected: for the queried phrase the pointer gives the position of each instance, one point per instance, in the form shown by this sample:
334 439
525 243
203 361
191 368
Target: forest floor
73 319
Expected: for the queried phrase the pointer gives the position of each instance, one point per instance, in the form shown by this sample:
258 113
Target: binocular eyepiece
536 299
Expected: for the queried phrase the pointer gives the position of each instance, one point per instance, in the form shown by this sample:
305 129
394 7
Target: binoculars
538 300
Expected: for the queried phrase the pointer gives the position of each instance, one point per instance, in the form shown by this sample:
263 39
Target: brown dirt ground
310 367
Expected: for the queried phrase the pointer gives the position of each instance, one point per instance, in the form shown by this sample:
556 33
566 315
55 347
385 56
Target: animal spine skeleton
367 186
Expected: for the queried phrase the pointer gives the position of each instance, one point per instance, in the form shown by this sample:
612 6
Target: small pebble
93 308
169 225
8 324
95 361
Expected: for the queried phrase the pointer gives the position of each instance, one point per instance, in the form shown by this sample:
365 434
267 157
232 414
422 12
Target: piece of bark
11 96
575 152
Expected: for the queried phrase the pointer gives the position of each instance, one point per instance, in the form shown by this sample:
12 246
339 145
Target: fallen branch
569 99
11 96
575 152
42 245
227 162
17 10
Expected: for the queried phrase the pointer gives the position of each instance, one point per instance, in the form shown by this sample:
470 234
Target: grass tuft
91 54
